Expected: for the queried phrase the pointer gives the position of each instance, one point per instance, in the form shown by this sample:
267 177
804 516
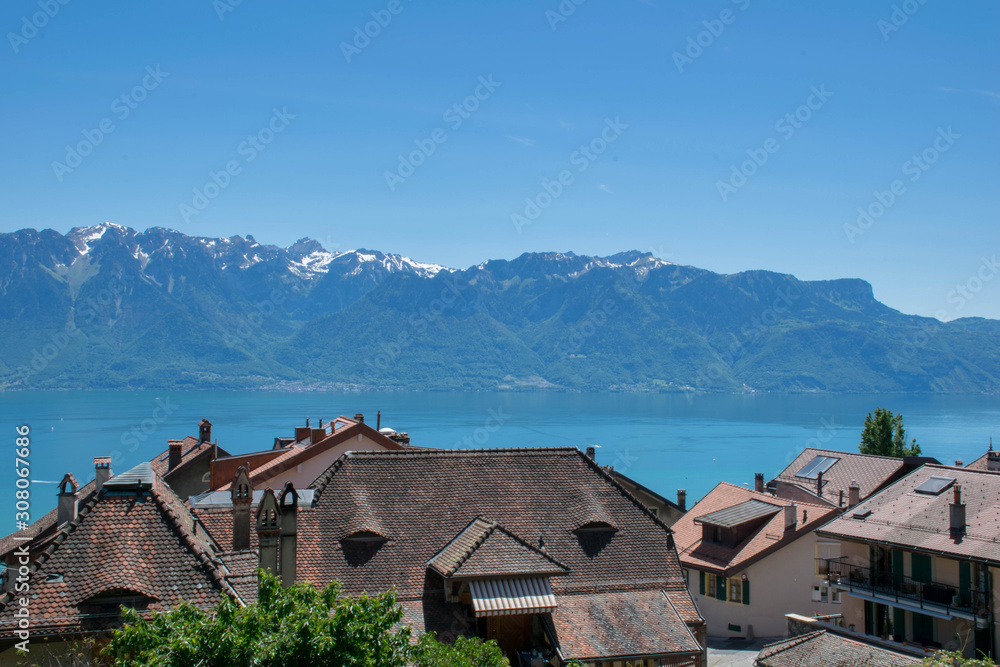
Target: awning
502 597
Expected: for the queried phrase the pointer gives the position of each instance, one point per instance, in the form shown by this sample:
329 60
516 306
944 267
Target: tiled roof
981 462
192 450
485 548
770 537
870 472
422 500
121 544
830 650
911 520
620 624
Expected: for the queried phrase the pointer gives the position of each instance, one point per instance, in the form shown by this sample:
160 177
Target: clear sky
120 111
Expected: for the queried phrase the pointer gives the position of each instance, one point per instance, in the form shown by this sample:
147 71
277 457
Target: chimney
840 503
241 493
378 421
682 496
958 514
819 484
853 494
69 500
993 460
591 453
102 472
205 431
358 417
174 459
959 463
758 482
288 505
268 531
790 516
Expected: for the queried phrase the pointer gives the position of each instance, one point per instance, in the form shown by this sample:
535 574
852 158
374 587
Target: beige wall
306 473
780 584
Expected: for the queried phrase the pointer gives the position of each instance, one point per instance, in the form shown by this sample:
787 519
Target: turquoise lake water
664 441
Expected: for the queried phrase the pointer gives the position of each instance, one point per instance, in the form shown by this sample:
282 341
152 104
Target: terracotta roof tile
900 516
485 548
870 472
771 536
620 624
830 650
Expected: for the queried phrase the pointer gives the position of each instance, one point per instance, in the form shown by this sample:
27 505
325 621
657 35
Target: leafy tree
884 435
954 659
290 627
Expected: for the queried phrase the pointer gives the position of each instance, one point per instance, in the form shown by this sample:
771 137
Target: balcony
928 597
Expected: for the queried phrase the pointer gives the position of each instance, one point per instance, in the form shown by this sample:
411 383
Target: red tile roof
899 516
830 650
870 472
486 549
122 543
770 537
620 625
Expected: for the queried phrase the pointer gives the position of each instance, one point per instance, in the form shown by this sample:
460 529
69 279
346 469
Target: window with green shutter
746 592
720 588
701 582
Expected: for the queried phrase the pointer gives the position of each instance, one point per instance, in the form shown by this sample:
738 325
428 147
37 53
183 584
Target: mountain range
109 307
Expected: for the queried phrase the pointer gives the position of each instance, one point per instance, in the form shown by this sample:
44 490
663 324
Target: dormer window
594 536
364 537
732 525
361 546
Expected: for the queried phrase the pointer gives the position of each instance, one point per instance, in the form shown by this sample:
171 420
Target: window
934 485
835 595
821 594
819 464
735 590
825 552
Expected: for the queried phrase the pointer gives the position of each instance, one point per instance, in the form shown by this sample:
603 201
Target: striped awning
501 597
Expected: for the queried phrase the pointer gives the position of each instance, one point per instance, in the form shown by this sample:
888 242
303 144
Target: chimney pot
959 463
205 431
758 482
288 504
102 471
358 417
268 531
853 494
682 499
378 421
819 484
840 503
69 500
241 494
591 453
175 454
957 514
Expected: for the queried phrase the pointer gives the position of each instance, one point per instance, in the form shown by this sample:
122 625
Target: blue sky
338 118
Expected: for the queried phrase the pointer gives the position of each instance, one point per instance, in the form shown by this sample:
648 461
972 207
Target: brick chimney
591 453
358 417
959 463
853 494
204 431
288 503
176 452
69 500
758 482
957 513
102 472
790 516
241 493
268 531
682 496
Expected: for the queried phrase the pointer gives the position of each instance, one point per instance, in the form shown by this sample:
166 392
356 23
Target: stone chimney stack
288 504
790 517
102 472
205 431
682 496
69 500
268 531
758 482
591 453
176 452
241 493
853 494
958 513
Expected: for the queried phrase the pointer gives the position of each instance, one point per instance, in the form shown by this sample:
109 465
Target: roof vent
862 514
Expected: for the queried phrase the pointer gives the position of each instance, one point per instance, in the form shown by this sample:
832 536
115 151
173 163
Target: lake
664 441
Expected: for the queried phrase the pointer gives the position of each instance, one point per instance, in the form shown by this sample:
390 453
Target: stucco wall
306 473
780 584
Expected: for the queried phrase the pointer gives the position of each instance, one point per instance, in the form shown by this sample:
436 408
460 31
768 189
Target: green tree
290 627
884 435
954 659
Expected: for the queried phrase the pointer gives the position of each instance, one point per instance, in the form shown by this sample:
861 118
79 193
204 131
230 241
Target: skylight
819 464
935 485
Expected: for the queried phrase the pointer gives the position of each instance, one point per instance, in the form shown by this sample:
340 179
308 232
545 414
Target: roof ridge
765 497
525 543
837 451
785 644
628 496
